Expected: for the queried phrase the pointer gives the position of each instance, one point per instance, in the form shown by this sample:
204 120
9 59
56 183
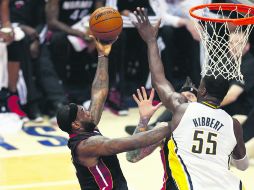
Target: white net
224 43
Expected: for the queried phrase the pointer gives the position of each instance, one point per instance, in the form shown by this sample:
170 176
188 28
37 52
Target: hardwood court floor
36 158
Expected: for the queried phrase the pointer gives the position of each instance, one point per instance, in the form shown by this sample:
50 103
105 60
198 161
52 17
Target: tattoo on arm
99 89
138 154
101 146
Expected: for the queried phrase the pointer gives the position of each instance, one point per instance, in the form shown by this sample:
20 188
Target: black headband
66 115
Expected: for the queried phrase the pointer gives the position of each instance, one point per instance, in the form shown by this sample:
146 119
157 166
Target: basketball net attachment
224 29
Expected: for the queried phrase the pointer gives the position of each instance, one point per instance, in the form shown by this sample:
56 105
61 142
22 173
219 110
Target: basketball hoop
224 29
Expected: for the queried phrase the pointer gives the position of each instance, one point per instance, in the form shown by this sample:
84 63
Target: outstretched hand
145 106
103 49
145 29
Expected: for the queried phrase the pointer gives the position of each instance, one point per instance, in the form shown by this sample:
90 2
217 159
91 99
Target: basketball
106 24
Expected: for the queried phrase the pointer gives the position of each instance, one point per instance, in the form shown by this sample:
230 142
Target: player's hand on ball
145 104
145 29
102 48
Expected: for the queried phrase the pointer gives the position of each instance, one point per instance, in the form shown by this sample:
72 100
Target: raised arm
100 84
52 14
164 88
100 146
146 110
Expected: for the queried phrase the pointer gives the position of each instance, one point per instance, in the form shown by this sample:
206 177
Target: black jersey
20 11
106 175
28 12
72 11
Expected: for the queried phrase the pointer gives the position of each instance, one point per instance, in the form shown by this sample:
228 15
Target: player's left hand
145 29
145 104
102 48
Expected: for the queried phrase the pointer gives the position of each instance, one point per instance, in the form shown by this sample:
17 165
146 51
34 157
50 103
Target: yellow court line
45 184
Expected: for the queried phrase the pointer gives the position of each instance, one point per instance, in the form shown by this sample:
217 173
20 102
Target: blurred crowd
47 58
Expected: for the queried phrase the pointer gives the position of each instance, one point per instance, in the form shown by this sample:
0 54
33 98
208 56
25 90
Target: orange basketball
106 23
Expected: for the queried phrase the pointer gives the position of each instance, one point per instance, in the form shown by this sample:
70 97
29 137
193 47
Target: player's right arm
138 154
164 88
52 14
101 146
146 110
239 156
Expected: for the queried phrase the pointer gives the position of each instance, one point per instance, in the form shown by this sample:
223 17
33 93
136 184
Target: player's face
83 115
190 96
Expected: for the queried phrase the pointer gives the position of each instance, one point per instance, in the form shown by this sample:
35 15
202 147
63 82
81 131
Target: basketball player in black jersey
93 155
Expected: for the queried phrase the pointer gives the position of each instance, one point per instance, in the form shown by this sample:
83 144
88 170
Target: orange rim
226 7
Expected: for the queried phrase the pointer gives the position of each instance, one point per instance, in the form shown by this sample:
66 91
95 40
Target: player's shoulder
182 107
179 113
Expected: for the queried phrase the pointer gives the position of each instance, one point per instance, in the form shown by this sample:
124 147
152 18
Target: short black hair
65 116
216 86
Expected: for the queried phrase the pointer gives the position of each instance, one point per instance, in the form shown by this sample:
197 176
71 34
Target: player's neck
211 102
82 131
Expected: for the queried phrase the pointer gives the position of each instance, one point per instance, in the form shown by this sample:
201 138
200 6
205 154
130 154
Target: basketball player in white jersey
203 136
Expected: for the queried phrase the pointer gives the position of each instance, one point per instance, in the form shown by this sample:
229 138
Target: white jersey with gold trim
199 150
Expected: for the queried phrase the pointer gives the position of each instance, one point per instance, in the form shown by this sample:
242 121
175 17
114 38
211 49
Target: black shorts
15 51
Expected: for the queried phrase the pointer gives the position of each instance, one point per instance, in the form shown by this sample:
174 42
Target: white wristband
6 30
99 56
241 164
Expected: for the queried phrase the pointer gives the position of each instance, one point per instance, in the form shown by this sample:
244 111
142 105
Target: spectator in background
30 16
9 96
181 38
239 99
69 62
20 14
45 74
